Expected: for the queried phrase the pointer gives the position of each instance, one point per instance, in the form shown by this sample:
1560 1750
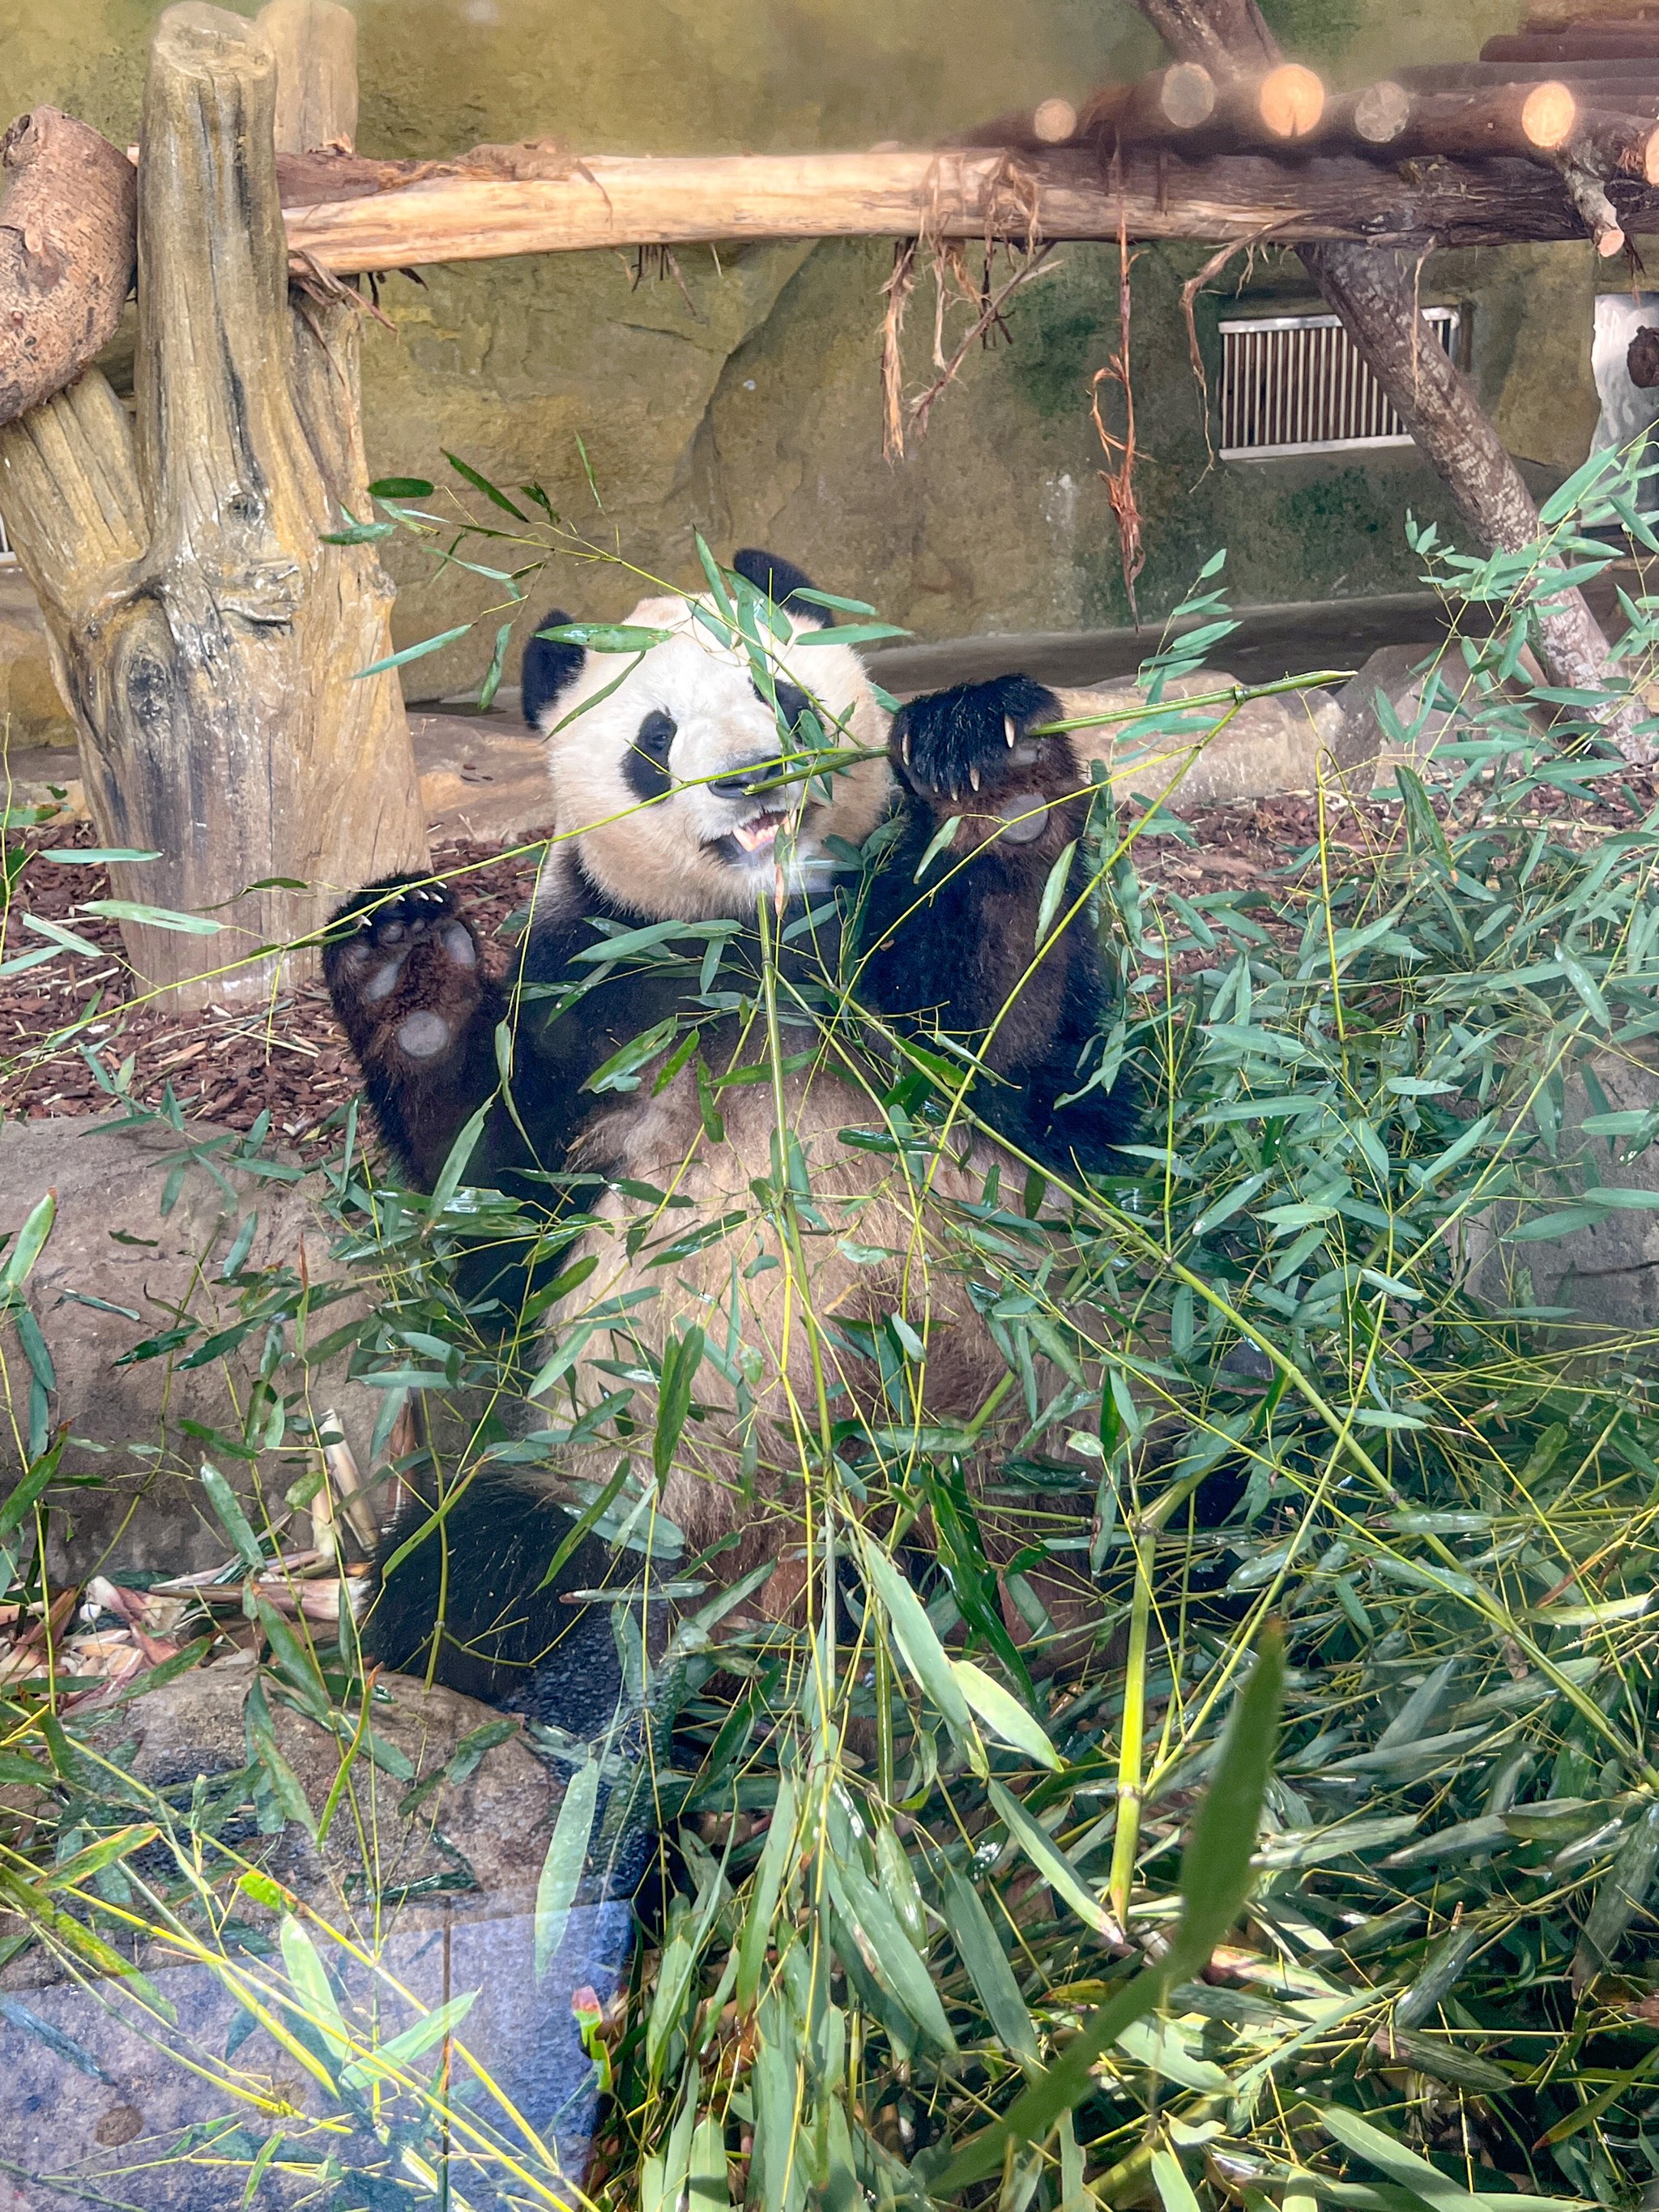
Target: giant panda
737 773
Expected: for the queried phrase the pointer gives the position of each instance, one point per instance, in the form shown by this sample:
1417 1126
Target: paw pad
424 1035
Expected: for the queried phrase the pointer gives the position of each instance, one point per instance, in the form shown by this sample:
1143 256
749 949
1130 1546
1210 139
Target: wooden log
315 43
1229 37
1563 48
1615 145
1050 123
208 639
1628 80
68 244
624 200
1166 105
1586 15
1378 115
1288 101
1524 118
1596 211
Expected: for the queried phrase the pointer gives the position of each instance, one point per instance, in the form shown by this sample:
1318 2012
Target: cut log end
1380 113
1053 122
1292 101
1548 115
1188 95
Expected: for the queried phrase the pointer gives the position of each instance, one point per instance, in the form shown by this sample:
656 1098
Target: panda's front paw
402 966
979 738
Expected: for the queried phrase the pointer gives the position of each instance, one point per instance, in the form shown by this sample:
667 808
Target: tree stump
208 640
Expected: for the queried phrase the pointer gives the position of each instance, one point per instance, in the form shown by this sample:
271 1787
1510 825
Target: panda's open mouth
758 835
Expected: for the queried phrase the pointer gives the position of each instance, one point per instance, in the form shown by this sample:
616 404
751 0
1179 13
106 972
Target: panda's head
665 762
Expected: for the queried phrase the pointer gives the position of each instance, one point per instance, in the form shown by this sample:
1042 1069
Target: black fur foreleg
404 971
952 936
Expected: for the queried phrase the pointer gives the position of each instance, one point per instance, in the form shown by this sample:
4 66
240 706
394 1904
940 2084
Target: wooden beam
626 200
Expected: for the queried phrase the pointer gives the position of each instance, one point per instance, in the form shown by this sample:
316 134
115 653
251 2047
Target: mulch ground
229 1066
287 1058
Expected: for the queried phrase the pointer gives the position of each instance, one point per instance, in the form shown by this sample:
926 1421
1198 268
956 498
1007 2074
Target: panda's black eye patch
647 767
793 702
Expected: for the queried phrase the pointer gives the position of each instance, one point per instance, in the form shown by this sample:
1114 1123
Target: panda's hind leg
408 983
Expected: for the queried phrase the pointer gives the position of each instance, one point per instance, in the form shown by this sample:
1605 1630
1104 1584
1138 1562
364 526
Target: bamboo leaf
976 1939
914 1633
310 1984
414 652
682 1357
153 917
399 2050
763 1897
1050 1861
228 1506
562 1870
1054 889
1215 1876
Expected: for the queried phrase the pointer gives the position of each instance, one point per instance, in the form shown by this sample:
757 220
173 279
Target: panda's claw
953 743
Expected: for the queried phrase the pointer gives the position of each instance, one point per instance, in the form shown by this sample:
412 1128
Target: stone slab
411 1904
130 1496
32 709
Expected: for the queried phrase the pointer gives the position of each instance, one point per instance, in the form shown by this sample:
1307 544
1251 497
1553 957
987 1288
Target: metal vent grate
1295 384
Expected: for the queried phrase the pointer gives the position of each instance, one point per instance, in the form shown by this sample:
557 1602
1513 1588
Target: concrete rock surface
412 1900
1265 747
1607 1274
128 1258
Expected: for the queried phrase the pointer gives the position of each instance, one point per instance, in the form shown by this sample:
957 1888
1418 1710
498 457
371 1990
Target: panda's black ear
550 667
782 582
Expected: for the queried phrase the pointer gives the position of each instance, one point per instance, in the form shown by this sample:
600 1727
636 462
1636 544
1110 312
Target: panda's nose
739 782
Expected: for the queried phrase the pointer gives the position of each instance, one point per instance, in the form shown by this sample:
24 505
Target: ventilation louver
1295 384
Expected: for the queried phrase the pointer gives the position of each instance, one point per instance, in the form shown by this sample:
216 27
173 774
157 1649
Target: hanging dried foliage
1119 474
1012 230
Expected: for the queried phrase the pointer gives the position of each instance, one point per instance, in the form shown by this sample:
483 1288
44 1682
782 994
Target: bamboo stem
1126 1835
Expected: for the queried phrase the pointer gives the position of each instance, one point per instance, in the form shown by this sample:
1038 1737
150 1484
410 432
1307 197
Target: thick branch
1228 36
207 639
1375 295
66 253
609 200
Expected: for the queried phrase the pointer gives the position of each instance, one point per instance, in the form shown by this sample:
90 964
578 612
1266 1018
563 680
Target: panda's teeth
756 834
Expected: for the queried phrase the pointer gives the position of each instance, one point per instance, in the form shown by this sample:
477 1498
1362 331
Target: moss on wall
743 398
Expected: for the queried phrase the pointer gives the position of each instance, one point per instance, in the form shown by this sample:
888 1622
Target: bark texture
67 244
356 214
207 640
